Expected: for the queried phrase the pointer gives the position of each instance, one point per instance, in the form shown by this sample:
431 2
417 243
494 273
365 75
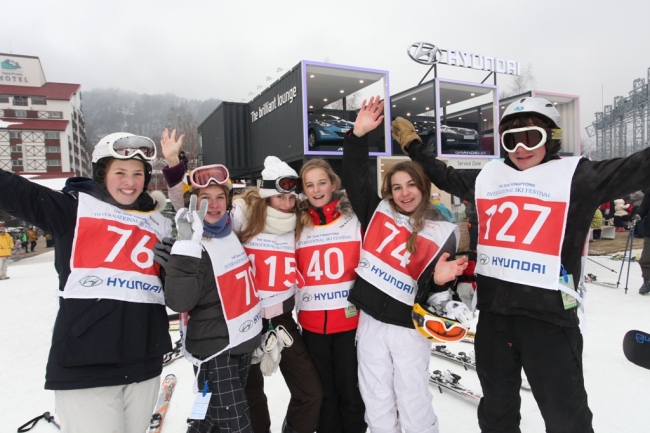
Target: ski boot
645 288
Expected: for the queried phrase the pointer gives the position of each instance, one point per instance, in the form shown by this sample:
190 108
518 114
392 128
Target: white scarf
278 222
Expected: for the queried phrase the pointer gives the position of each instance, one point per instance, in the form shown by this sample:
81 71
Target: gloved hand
162 250
404 132
458 311
271 357
438 301
189 223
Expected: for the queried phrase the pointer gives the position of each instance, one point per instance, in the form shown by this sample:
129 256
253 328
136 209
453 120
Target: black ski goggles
529 137
284 185
128 147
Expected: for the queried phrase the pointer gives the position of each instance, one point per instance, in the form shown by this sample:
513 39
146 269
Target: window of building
55 114
20 113
4 98
16 148
52 135
16 162
53 149
54 162
38 100
21 101
14 134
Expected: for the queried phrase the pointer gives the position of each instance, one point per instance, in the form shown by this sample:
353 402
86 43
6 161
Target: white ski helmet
539 106
102 153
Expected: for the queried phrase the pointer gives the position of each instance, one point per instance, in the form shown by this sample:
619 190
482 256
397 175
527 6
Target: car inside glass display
326 129
455 140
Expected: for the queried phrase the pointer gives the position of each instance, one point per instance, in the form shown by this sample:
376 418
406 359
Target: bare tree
520 83
184 122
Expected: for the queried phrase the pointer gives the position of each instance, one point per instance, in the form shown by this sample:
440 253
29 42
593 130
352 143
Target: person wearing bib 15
111 329
327 251
265 219
402 284
534 212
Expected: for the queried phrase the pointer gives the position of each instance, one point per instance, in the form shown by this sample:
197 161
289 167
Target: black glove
162 251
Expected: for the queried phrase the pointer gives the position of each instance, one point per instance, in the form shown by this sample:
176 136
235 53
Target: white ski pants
394 378
107 409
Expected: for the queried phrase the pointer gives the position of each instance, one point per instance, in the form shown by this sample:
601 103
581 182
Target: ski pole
600 264
32 422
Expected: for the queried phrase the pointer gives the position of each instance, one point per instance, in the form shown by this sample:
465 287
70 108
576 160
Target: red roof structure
59 91
37 124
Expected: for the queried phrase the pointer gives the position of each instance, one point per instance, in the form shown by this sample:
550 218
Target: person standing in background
6 245
644 262
31 234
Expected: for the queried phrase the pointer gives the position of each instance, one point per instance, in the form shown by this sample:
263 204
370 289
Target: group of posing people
368 274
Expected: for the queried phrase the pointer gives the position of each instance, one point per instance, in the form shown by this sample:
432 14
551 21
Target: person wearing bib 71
534 212
111 329
402 284
327 251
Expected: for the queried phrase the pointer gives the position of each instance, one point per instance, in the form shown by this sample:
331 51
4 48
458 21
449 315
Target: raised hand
370 116
171 147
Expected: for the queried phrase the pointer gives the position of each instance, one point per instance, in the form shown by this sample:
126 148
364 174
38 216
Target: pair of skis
451 381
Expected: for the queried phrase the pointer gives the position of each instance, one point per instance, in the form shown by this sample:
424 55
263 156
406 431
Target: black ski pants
551 357
335 357
301 378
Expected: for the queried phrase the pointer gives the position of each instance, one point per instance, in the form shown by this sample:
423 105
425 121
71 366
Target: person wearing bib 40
111 329
265 221
401 288
211 282
534 212
327 251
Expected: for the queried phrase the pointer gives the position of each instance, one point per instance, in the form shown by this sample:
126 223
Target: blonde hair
423 211
305 219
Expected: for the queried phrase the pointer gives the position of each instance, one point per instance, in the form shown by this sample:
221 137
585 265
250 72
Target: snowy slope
619 392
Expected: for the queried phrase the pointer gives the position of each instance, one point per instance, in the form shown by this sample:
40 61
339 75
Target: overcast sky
204 49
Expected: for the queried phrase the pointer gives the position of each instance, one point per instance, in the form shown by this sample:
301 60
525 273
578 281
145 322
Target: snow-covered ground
619 392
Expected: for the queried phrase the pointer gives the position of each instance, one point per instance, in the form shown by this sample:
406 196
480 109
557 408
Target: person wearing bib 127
211 282
404 262
327 251
111 329
265 218
534 212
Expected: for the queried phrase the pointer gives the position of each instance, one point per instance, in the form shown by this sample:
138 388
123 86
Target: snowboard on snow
636 347
166 391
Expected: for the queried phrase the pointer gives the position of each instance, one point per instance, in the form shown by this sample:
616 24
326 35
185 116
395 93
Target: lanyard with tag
201 403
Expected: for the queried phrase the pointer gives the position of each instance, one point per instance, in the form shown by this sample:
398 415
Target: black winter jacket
643 210
593 183
190 285
363 196
95 342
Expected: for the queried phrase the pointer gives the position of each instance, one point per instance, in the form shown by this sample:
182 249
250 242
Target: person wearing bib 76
111 329
402 284
534 212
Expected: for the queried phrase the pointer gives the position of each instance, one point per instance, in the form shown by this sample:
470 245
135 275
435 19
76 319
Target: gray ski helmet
532 105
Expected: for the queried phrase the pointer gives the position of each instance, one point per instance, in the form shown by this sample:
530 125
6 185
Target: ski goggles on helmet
207 174
437 328
284 185
529 137
128 147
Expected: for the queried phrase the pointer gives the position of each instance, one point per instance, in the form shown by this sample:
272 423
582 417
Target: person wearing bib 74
534 212
402 284
111 329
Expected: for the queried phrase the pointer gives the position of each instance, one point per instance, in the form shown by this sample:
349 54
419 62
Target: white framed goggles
529 137
284 185
128 147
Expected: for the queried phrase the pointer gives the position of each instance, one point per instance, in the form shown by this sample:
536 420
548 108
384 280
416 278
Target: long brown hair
256 207
423 211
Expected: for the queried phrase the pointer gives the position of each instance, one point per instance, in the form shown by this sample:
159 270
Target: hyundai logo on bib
306 298
246 326
364 263
133 285
91 281
519 265
390 279
484 260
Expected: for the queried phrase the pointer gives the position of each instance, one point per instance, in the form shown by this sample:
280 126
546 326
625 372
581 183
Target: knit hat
274 168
